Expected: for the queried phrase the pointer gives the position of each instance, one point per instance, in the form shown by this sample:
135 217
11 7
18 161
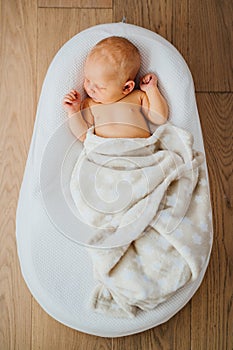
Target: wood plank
180 27
210 44
212 312
152 15
76 3
55 27
52 35
17 109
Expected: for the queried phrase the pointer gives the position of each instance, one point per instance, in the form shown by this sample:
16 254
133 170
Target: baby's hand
72 102
148 81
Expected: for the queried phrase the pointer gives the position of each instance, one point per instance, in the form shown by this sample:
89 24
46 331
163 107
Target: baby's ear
128 87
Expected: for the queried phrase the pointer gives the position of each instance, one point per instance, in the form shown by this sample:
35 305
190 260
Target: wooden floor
31 32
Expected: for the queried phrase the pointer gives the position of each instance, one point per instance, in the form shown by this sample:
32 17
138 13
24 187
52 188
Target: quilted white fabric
50 238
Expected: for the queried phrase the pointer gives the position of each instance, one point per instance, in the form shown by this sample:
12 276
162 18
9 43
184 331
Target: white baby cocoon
52 240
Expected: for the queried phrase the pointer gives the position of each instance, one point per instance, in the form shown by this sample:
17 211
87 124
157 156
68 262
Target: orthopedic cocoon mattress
51 240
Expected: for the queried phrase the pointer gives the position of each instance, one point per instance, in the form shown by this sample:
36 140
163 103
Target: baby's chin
104 102
94 98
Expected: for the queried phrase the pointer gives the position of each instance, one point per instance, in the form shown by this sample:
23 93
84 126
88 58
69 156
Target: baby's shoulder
136 96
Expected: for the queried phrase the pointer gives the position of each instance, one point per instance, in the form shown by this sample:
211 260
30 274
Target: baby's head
110 69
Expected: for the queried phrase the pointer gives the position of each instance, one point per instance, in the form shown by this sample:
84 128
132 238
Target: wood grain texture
17 109
29 38
76 3
180 27
153 15
212 309
210 44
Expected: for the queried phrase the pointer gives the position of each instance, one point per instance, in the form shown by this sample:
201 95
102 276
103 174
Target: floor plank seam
75 8
213 92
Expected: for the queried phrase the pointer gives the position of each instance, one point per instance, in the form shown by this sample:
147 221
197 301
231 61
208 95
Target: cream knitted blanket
147 200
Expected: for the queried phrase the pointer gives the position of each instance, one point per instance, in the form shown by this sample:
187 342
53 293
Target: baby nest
51 249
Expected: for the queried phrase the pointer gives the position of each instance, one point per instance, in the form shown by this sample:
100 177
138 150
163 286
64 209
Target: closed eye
101 88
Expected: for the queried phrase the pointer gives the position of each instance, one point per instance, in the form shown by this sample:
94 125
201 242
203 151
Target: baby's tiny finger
67 96
73 95
67 100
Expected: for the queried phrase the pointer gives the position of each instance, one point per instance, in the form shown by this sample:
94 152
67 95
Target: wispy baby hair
119 54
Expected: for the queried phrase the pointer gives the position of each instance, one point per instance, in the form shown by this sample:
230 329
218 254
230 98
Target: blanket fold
148 202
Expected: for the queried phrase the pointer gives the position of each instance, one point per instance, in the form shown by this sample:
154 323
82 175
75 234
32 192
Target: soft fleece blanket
147 200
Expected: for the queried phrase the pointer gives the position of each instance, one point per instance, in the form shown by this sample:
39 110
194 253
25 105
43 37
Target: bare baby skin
113 106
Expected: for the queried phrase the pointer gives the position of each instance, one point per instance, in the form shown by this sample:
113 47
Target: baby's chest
117 113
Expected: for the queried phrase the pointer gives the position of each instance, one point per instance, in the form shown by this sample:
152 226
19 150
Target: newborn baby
113 106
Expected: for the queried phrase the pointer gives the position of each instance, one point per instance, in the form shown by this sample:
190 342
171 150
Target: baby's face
101 85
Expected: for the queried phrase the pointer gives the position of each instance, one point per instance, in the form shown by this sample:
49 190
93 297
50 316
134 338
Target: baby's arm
155 103
78 125
86 112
